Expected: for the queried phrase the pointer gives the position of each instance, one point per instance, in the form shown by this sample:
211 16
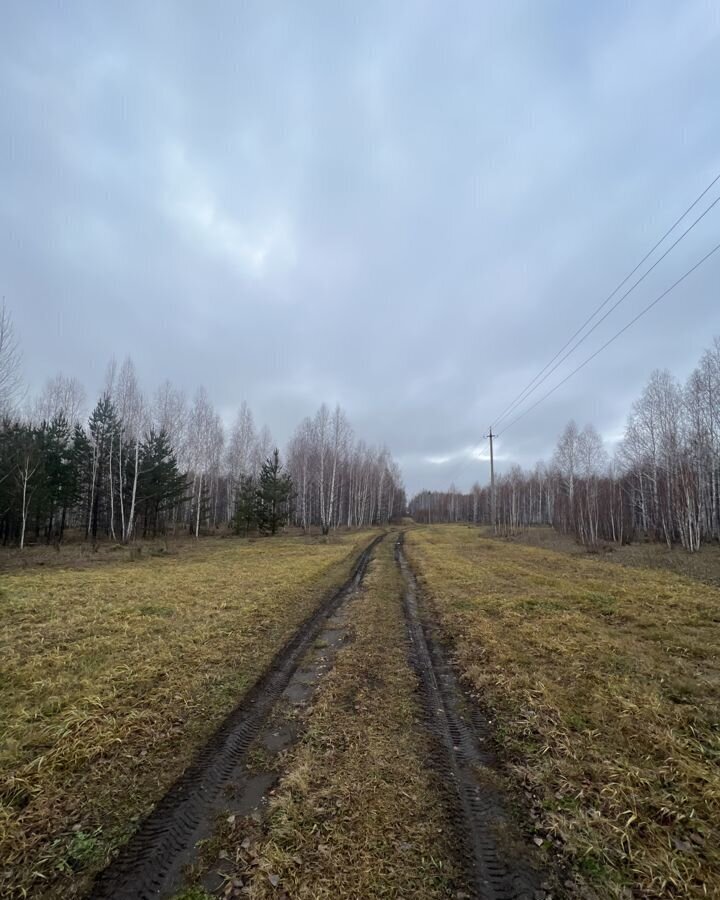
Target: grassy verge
358 812
703 565
78 553
112 677
604 684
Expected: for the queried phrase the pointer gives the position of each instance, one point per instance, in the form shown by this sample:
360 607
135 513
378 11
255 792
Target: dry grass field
113 675
603 682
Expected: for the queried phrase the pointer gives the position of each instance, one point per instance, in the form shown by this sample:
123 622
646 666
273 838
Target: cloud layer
405 208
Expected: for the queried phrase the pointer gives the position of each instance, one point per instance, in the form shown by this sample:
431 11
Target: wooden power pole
493 517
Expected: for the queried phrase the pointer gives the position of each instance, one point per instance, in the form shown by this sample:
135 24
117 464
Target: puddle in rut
249 793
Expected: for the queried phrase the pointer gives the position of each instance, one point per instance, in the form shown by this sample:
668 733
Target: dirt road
176 851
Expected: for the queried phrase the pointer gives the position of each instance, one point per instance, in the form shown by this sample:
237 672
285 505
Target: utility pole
493 517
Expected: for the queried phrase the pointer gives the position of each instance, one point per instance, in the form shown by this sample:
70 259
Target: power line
614 337
544 374
532 386
462 466
615 305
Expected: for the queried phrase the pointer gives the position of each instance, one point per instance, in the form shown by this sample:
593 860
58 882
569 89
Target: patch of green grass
112 677
80 850
259 759
593 867
193 893
164 612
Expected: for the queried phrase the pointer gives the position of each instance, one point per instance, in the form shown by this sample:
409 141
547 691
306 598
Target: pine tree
82 458
246 505
273 495
60 482
160 484
7 492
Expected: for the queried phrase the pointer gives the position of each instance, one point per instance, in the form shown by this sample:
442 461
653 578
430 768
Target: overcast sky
406 208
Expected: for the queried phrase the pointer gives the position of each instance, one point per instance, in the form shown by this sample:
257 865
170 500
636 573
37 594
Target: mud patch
266 753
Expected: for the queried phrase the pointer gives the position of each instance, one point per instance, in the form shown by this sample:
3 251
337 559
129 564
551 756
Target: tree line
142 465
662 483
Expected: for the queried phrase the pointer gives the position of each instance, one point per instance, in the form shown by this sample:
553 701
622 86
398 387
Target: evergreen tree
246 505
160 483
7 492
9 500
273 495
58 490
82 465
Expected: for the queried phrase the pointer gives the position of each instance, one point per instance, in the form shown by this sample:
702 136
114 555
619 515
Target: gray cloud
406 208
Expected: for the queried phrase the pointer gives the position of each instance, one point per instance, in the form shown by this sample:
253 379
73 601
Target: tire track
495 854
164 843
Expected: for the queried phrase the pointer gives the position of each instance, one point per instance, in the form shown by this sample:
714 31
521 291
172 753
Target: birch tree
61 396
27 464
133 422
241 454
10 360
169 415
205 440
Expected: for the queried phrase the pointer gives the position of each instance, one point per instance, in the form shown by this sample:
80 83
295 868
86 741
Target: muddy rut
151 865
495 855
